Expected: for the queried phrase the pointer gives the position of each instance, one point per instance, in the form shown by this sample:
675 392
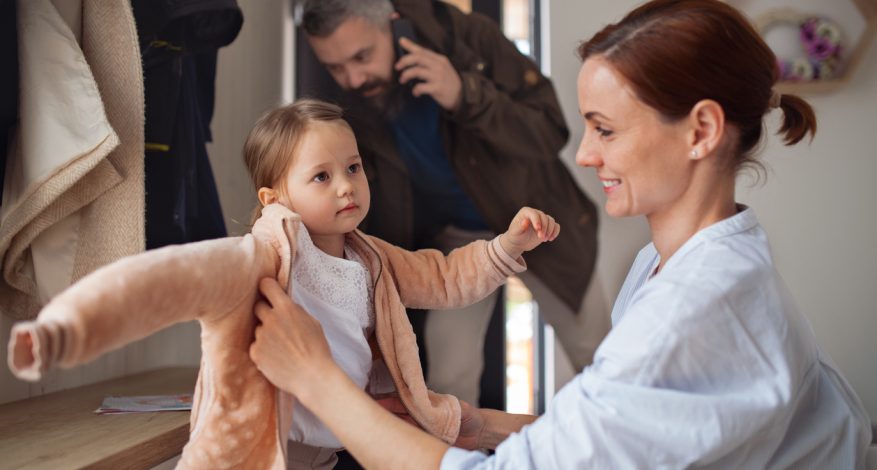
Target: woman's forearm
375 437
291 351
498 425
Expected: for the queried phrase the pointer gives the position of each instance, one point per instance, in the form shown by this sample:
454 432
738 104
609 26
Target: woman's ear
267 196
707 119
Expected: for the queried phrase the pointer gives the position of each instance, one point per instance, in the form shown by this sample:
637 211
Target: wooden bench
61 430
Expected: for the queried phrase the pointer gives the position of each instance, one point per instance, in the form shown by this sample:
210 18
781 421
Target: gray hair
320 18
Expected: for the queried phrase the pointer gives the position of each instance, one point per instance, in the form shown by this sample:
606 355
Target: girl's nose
345 187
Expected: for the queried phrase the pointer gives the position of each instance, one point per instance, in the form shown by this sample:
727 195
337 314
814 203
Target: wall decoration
818 44
819 54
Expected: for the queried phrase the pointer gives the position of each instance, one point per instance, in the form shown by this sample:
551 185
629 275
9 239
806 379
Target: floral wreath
820 38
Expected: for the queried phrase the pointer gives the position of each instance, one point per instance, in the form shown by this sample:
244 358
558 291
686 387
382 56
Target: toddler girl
305 165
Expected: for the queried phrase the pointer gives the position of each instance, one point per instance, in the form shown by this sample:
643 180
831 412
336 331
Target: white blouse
709 364
338 293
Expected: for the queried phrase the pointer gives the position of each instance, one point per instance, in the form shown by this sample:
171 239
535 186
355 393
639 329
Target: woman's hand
471 427
530 228
471 420
292 352
392 403
290 348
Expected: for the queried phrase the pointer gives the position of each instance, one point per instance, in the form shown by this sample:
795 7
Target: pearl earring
693 153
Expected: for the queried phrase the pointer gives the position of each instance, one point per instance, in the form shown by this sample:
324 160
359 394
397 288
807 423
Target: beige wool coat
238 418
73 199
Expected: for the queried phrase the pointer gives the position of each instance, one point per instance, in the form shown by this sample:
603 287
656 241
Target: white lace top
344 283
338 293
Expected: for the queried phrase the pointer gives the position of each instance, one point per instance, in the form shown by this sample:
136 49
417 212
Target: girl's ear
707 120
267 196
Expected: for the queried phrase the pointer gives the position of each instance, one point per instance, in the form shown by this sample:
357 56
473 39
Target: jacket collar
277 227
368 251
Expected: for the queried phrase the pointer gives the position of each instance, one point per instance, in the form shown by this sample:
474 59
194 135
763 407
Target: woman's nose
586 155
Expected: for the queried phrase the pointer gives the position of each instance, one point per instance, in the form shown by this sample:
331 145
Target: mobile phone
403 28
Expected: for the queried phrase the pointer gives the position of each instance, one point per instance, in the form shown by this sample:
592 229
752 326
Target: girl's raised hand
530 228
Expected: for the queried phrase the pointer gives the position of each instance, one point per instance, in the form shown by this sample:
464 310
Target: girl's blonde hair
272 143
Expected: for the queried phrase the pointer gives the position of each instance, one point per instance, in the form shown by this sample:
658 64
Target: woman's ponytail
798 119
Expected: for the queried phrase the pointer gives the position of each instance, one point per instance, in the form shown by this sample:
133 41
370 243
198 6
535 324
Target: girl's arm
430 280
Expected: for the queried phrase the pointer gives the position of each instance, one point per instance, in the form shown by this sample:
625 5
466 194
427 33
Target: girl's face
325 183
642 161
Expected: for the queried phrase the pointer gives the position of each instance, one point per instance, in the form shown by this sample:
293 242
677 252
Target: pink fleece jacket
238 418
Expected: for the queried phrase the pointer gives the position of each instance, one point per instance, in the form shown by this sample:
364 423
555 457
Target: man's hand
438 77
530 228
290 348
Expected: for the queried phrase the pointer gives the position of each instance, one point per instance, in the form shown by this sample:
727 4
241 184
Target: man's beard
388 103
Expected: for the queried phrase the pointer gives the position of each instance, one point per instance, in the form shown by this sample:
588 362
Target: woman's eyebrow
590 115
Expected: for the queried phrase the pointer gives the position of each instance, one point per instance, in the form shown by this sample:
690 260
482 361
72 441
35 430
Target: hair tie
774 101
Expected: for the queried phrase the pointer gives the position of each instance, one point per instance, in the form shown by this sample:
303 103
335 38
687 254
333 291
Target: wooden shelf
61 430
816 86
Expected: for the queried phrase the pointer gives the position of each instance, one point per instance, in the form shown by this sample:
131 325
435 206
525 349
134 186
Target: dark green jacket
503 143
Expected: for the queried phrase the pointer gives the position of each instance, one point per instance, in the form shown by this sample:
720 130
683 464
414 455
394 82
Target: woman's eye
354 168
603 132
321 177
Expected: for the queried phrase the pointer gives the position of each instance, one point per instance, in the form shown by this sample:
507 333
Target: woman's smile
610 185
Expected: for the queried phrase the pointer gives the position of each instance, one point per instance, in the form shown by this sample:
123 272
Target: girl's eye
321 177
354 168
603 132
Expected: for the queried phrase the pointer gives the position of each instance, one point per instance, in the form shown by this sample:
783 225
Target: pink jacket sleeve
428 279
135 297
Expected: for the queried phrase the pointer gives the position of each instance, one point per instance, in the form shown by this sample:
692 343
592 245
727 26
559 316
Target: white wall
249 81
250 78
817 204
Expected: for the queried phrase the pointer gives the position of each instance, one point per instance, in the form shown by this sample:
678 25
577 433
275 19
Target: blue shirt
438 198
709 364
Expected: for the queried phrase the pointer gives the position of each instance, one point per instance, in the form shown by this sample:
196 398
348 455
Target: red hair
675 53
